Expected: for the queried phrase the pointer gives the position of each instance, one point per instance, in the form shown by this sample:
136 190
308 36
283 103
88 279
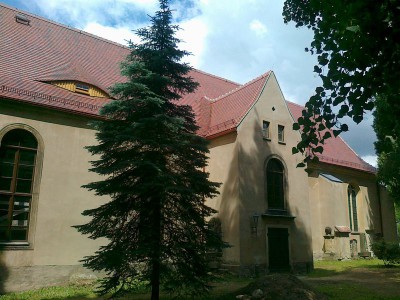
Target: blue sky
235 39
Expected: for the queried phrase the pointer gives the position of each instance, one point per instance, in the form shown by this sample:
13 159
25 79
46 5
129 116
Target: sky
235 39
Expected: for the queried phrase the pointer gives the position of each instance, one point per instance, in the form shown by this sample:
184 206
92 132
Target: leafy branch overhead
357 44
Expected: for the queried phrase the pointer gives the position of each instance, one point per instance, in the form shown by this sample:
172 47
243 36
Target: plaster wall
254 152
388 215
223 168
329 204
61 199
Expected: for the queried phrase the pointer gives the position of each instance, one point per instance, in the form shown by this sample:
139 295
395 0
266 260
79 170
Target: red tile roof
336 150
43 51
228 110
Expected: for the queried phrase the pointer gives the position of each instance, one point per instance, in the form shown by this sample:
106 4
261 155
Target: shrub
388 252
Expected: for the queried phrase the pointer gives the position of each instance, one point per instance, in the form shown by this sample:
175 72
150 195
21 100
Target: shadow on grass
318 272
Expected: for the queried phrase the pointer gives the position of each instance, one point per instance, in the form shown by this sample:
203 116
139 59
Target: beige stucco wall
254 151
388 215
223 168
60 196
329 205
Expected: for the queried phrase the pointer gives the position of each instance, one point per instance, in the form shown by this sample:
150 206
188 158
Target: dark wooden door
278 249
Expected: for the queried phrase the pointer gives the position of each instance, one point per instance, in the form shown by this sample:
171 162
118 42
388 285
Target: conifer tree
153 164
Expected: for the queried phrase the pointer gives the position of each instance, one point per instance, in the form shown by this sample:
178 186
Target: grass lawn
355 279
335 267
223 290
338 280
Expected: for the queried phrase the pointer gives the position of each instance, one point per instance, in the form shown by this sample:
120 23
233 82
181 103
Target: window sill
266 139
282 143
355 233
278 213
15 246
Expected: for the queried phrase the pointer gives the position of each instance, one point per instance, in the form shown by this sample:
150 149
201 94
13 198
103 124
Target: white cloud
193 35
78 13
258 27
371 159
119 35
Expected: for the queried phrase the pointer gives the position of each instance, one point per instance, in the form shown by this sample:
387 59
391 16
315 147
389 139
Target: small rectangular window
265 130
281 133
82 88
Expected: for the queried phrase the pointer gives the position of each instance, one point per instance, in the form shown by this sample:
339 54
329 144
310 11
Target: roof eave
51 107
221 133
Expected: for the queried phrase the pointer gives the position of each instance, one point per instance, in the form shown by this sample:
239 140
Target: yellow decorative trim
74 86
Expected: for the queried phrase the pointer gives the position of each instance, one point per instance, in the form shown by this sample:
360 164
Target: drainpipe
380 205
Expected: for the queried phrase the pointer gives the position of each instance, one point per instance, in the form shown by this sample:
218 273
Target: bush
388 252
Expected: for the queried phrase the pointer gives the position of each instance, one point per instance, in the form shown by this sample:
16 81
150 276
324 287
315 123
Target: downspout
380 206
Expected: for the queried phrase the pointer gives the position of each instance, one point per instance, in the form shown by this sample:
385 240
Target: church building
53 81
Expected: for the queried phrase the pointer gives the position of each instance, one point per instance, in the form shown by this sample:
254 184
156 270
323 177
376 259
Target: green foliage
151 162
357 44
388 252
388 147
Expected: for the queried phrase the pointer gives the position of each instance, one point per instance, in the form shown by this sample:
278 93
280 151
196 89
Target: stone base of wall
18 279
303 267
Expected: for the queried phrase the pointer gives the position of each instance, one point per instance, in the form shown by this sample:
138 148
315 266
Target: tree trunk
155 272
155 281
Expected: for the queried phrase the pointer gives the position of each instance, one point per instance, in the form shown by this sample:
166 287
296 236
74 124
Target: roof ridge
62 25
354 151
262 76
294 103
215 76
351 149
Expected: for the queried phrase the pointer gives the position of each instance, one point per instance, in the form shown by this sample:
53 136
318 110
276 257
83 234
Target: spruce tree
153 163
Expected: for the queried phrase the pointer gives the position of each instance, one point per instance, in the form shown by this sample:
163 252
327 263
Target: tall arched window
275 184
352 202
18 151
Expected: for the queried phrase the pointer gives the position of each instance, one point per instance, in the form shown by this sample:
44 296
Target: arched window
275 184
352 202
18 151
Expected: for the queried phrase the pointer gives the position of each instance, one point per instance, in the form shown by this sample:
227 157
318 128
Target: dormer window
20 18
81 88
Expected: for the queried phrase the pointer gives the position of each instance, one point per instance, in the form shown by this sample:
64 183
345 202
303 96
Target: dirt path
384 280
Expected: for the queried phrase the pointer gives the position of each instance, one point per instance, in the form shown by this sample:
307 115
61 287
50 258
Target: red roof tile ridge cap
355 152
294 103
265 77
215 76
206 98
241 86
62 25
